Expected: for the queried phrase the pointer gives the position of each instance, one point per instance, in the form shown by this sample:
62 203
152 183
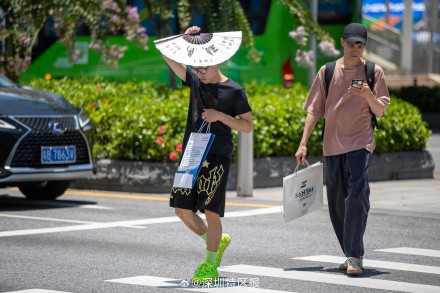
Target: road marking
147 197
413 251
254 212
186 285
336 279
36 291
376 264
52 203
87 227
117 195
160 198
58 220
129 223
44 219
94 207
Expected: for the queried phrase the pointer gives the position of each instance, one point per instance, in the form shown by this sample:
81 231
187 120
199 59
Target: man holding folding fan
218 100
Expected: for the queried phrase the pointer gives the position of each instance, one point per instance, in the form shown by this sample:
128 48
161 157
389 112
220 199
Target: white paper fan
204 49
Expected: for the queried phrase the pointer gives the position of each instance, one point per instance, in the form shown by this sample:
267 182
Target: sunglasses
199 70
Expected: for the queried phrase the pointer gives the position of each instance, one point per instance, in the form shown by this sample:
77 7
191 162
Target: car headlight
6 125
84 120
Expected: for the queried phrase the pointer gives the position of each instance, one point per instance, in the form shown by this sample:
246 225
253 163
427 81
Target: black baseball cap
355 33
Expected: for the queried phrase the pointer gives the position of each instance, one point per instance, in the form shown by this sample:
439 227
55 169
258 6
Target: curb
145 177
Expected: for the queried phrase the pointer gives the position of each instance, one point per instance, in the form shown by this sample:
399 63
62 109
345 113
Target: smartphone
357 82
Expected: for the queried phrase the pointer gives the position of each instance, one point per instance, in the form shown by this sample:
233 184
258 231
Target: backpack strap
369 73
328 75
329 70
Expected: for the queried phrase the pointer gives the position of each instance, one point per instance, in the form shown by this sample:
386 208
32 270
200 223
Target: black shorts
209 191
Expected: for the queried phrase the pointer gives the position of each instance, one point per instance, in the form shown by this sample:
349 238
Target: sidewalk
419 196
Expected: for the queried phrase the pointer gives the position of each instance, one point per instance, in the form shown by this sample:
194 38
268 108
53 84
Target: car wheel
44 190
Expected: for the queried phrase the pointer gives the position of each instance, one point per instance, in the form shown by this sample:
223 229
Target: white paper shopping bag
193 157
303 192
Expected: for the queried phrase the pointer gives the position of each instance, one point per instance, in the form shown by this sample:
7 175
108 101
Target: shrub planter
147 177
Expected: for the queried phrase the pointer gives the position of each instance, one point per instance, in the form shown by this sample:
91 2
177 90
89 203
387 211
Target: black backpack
369 73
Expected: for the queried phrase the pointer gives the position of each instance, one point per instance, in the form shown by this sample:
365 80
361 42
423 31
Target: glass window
335 11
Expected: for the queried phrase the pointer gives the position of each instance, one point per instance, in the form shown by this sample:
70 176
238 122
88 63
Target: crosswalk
334 279
245 278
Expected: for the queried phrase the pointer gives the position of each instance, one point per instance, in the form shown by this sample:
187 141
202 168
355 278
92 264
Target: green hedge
145 121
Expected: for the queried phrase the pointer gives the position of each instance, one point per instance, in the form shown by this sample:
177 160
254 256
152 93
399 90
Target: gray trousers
348 194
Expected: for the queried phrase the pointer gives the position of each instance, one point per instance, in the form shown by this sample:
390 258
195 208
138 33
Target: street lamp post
245 165
406 38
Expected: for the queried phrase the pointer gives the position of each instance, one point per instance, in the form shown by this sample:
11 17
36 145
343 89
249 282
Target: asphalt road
118 242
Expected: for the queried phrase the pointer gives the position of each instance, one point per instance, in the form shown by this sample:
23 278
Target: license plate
58 154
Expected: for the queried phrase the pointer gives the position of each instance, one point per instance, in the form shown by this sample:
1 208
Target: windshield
5 82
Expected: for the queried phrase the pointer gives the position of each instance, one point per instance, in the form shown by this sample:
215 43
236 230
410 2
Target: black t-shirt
227 97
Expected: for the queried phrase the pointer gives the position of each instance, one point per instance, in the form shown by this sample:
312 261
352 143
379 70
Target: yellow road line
163 198
151 197
117 195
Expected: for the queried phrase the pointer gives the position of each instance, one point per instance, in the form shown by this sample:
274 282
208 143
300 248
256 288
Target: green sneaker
224 242
205 273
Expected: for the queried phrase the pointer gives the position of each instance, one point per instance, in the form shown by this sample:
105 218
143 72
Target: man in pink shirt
348 140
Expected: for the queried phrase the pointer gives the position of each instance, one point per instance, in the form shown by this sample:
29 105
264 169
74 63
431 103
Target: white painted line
57 203
186 285
130 223
96 207
398 266
253 212
413 251
56 220
44 219
36 291
336 279
88 226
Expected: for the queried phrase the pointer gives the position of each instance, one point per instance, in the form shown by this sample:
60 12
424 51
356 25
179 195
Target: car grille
28 153
42 123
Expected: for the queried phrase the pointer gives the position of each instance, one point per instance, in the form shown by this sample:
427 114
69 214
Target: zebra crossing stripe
185 285
335 279
399 266
413 251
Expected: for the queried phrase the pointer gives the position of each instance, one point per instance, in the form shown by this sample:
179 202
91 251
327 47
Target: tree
304 27
22 20
220 15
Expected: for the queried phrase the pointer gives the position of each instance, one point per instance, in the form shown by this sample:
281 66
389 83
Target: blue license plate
58 154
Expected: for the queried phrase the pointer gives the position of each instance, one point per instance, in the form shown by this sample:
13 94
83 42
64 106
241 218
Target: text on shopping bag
303 192
193 157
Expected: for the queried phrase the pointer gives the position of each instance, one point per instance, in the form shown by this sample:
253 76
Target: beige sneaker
343 266
354 266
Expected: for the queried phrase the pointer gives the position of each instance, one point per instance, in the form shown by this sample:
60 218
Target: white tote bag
193 157
302 191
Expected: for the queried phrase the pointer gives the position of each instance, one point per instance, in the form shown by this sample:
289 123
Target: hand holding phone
357 82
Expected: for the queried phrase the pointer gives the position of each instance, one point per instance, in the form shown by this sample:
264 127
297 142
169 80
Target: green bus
270 22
